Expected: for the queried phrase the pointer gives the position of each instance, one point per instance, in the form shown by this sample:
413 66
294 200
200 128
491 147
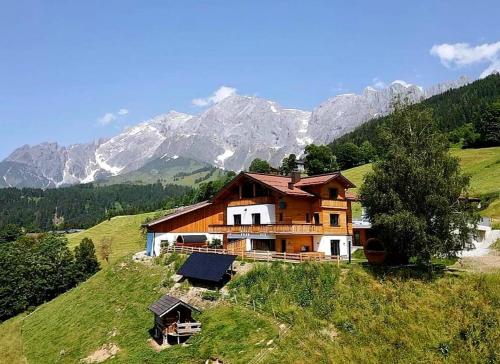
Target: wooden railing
188 328
258 255
339 204
298 229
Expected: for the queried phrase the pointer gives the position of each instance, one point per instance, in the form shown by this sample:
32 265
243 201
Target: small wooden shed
173 317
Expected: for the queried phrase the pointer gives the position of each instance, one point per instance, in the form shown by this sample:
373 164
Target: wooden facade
301 214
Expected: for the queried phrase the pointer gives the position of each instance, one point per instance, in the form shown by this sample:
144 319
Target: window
255 219
308 218
334 219
237 219
357 238
281 216
334 193
316 218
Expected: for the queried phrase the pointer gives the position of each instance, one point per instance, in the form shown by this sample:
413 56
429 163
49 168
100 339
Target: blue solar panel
206 266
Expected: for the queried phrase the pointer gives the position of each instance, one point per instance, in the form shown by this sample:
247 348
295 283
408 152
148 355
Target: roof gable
166 304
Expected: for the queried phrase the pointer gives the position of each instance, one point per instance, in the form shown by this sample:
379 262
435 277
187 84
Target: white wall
322 244
267 213
172 238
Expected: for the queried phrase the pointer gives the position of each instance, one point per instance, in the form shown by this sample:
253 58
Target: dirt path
483 264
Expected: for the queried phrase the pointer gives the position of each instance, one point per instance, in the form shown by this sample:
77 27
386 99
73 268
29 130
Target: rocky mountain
229 134
343 113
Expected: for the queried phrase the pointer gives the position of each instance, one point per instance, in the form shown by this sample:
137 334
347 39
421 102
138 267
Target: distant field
483 165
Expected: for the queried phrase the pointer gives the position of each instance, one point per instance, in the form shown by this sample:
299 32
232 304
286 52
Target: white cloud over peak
109 117
378 83
220 94
463 54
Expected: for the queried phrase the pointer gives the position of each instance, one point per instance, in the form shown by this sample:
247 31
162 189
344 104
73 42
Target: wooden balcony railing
299 229
339 204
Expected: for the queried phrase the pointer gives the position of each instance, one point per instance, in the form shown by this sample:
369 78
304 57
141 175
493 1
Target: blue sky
72 71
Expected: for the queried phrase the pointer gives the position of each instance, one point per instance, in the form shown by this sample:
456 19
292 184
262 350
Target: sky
74 71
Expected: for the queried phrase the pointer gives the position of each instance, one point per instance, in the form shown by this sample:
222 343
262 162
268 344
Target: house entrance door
335 247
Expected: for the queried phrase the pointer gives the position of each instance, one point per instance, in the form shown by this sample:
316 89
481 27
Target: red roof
279 183
322 179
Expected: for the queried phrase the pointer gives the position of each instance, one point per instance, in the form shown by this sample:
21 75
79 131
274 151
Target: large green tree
259 166
414 196
319 160
348 155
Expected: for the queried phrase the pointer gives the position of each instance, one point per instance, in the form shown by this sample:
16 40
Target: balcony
281 229
336 204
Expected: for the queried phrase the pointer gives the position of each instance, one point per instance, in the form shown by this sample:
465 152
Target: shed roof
166 303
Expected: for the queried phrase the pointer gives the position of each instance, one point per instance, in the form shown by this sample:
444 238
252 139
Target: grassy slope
483 165
112 308
11 343
374 319
124 230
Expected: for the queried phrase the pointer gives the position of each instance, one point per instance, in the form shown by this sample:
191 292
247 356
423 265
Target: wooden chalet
262 212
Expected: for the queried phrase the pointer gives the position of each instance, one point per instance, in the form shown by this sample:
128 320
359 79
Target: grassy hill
362 317
483 165
123 230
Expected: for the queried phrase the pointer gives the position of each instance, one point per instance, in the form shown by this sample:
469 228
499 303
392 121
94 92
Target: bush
211 295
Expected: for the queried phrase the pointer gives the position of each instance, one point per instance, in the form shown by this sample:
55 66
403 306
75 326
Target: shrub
211 295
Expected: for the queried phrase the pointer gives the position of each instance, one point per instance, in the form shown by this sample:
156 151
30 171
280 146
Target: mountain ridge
228 135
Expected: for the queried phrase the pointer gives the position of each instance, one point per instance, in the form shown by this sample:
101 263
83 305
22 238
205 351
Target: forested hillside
82 206
475 104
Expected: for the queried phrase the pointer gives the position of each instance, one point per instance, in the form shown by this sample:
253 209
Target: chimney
295 177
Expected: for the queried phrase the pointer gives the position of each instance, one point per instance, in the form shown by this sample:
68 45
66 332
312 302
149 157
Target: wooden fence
258 255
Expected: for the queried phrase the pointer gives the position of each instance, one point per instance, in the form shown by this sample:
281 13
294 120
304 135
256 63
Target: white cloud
220 94
463 54
378 83
107 118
